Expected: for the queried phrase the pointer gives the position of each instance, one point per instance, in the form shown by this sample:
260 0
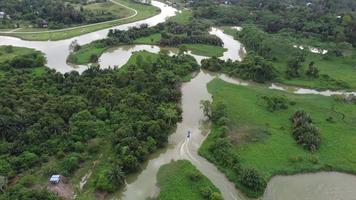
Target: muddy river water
317 186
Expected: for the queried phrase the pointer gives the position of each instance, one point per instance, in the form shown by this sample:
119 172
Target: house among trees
43 23
55 179
2 15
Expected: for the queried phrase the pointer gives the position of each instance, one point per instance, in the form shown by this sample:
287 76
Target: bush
206 192
275 103
28 180
216 196
194 176
252 180
69 164
304 132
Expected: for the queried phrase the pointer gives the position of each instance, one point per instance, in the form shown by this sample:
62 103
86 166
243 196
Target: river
143 184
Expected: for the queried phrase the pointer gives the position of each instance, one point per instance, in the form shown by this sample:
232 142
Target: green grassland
206 50
151 39
83 55
108 7
6 56
181 180
263 139
16 51
341 69
144 11
184 17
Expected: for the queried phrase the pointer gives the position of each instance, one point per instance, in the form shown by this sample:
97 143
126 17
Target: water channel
139 186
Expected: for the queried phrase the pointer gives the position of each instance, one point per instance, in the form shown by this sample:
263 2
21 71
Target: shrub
216 196
252 180
304 132
27 180
194 176
206 192
275 102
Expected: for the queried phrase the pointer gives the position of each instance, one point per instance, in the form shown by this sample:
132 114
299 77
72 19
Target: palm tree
116 175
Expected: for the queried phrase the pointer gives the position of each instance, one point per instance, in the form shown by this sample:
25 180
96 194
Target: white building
2 15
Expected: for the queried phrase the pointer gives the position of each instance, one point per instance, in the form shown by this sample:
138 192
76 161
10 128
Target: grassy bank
184 17
263 140
341 69
144 11
206 50
8 53
85 53
181 180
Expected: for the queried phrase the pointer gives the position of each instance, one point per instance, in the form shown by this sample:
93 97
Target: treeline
253 67
304 131
173 34
222 152
128 36
168 40
71 118
58 14
327 20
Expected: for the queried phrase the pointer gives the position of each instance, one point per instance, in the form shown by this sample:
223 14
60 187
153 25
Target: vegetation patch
62 124
206 50
277 152
182 180
144 11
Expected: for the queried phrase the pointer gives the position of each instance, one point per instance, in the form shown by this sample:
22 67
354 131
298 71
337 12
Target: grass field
7 55
16 51
263 139
206 50
184 17
180 180
83 56
144 11
108 7
152 39
338 68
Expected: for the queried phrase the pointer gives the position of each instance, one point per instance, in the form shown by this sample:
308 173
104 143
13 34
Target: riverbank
8 54
263 141
138 12
335 64
183 178
90 53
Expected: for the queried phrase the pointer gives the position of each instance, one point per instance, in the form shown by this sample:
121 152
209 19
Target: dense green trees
327 20
61 116
304 131
253 67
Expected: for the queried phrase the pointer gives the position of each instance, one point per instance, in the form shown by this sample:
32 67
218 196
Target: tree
74 46
206 106
294 65
312 70
116 176
304 132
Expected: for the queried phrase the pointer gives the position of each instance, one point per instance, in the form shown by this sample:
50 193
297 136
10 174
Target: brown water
57 52
143 184
317 186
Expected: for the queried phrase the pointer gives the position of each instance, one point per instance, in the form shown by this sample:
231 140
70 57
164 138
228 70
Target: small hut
55 179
